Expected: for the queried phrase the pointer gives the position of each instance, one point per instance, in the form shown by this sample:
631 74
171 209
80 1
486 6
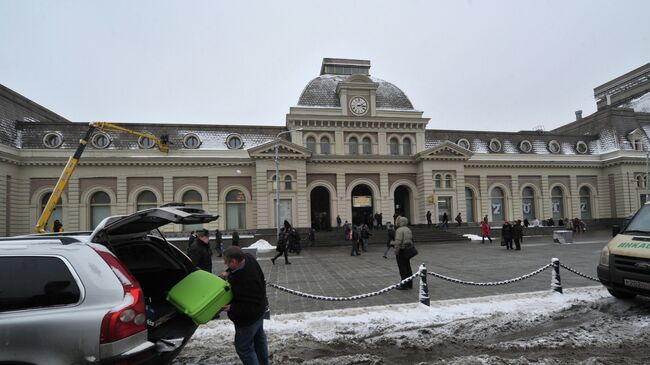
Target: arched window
469 205
406 146
311 144
235 210
557 203
367 146
287 182
585 203
353 146
528 203
57 213
437 179
498 206
146 200
448 181
394 146
100 208
324 146
192 199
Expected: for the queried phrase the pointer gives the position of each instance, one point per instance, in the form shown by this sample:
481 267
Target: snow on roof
640 104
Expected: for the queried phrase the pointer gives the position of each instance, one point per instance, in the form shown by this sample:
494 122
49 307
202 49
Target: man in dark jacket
200 252
235 238
506 235
249 302
518 234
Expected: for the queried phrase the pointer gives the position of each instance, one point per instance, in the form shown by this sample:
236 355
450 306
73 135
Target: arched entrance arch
403 199
362 204
320 211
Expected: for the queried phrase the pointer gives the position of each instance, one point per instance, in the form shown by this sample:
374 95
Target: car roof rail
65 240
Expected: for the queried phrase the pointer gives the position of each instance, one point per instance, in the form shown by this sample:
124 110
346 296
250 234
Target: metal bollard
556 283
424 287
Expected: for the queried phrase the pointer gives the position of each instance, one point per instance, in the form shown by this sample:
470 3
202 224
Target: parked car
624 267
90 297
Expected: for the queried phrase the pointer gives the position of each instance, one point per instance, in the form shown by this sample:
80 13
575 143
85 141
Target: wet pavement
331 271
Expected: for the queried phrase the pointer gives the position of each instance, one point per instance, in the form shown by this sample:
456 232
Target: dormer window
495 145
53 140
191 141
463 143
101 140
554 146
234 142
636 142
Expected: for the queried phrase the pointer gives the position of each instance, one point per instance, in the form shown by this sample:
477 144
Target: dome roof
321 92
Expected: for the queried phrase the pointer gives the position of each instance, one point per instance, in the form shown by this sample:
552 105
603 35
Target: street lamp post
277 178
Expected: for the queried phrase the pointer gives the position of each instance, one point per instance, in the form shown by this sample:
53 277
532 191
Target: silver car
91 297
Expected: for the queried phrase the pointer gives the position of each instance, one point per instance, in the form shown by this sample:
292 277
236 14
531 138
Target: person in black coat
235 238
391 240
218 243
248 305
506 234
200 252
281 247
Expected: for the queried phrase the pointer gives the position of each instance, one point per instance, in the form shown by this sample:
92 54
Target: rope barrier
579 273
492 283
341 299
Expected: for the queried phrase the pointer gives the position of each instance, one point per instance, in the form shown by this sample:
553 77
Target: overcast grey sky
484 65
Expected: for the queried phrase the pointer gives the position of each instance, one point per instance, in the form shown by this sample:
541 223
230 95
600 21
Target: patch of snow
473 237
262 246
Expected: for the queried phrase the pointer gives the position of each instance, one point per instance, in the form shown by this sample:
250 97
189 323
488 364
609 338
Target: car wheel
620 294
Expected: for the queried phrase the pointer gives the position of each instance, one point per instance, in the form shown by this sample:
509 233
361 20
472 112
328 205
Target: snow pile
584 325
473 237
262 246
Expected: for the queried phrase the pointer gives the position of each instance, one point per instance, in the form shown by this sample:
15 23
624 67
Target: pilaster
302 209
343 202
213 201
604 206
546 200
382 148
121 195
460 197
516 200
20 207
339 143
4 206
72 208
387 202
573 198
484 208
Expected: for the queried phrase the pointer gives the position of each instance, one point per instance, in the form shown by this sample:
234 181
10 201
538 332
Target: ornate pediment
286 150
446 150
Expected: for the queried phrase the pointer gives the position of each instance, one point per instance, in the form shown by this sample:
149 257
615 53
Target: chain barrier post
424 287
556 283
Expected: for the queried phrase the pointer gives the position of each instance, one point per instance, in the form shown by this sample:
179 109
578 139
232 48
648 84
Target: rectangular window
444 206
36 282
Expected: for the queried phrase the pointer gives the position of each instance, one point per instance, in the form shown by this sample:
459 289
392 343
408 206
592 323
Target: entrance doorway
362 205
320 208
403 202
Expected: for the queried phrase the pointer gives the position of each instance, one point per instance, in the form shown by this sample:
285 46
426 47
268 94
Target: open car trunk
158 267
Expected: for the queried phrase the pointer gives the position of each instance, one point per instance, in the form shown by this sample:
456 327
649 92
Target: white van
624 267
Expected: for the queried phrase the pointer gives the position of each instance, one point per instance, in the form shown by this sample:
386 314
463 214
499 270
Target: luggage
200 295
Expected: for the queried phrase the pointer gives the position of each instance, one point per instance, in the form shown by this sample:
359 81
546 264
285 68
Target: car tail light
128 318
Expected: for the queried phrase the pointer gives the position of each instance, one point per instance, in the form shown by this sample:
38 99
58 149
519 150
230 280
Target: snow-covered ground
584 325
262 246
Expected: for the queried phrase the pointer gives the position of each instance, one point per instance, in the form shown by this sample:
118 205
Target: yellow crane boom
162 143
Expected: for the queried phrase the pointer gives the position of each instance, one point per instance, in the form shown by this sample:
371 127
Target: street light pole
277 178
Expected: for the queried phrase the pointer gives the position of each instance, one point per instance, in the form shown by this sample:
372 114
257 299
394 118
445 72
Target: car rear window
35 282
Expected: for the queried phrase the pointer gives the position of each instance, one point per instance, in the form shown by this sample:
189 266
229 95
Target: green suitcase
200 295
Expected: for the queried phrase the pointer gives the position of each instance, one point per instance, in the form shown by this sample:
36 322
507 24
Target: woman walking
391 239
485 230
403 241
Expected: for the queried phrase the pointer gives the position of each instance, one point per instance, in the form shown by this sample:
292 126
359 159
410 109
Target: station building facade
352 146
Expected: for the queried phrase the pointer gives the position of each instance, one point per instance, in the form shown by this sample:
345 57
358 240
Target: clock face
358 105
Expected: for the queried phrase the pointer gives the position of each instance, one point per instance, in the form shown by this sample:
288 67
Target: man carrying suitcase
246 310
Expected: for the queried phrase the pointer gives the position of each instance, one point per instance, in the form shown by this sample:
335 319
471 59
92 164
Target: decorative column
604 206
168 197
386 202
382 149
460 197
20 207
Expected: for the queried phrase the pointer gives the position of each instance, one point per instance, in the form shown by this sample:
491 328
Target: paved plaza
331 271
